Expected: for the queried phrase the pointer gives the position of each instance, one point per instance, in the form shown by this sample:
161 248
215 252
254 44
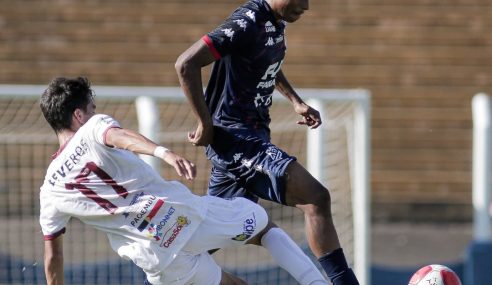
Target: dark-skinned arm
310 116
189 66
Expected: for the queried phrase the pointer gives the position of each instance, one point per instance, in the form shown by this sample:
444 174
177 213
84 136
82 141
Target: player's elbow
183 65
187 65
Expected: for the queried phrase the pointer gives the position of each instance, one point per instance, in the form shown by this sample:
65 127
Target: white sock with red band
290 257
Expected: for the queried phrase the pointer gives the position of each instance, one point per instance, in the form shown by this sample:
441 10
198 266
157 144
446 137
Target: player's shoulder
258 15
100 120
101 117
252 12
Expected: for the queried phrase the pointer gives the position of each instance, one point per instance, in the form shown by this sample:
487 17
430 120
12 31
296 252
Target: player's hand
182 166
310 116
202 136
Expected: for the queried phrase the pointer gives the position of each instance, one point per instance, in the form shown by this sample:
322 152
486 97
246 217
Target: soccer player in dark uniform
248 49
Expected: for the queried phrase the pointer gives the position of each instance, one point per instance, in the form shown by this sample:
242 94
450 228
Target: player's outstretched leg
288 255
306 193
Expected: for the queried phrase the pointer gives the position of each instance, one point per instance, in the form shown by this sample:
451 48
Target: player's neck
272 8
64 136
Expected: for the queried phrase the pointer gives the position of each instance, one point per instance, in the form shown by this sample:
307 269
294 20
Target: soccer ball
435 275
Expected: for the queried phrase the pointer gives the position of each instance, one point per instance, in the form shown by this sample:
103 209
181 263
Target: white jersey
146 218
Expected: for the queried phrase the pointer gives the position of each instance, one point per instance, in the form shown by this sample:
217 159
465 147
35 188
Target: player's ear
78 116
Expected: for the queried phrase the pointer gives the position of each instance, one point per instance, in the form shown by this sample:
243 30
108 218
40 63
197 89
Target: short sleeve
52 221
101 124
235 33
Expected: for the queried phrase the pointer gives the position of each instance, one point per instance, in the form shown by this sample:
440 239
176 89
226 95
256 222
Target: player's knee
318 203
323 198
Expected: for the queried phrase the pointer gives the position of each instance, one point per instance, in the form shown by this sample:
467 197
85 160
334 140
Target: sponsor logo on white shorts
249 227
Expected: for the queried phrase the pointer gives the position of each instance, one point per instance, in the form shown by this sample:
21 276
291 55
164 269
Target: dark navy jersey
249 47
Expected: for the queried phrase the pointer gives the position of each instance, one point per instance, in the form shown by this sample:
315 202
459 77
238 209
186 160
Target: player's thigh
187 269
302 188
249 167
224 185
227 223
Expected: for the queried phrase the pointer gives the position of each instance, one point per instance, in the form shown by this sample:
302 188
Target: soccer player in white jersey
160 225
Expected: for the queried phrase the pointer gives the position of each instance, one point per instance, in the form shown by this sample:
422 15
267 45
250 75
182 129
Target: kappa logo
229 33
269 42
237 156
241 23
251 15
269 27
247 163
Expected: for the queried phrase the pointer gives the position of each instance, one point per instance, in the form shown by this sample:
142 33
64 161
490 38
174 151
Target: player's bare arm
53 261
310 116
188 66
135 142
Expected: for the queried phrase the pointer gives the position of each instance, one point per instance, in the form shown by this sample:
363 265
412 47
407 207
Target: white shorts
228 222
186 269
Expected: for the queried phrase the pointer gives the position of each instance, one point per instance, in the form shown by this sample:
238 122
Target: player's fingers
304 121
187 169
314 120
193 170
191 137
181 167
178 169
316 124
190 170
184 164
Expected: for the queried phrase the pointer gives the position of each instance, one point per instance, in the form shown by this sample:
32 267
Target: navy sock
336 267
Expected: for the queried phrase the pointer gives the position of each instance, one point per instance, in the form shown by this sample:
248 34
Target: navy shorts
247 166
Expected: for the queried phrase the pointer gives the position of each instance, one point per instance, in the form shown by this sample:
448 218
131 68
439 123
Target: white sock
290 257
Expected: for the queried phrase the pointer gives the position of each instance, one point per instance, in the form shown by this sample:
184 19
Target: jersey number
82 179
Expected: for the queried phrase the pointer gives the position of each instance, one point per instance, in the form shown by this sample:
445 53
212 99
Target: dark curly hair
62 97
